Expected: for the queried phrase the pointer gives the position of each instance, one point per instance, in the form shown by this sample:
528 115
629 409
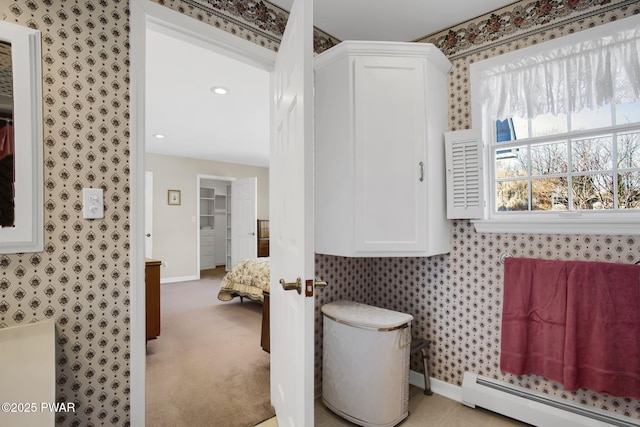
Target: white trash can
365 363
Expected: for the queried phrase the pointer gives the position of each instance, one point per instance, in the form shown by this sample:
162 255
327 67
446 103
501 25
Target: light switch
92 203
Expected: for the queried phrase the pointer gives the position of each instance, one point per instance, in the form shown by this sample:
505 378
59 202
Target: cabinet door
390 131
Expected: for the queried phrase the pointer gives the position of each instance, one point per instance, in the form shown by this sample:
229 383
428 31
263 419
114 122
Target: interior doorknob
297 285
319 283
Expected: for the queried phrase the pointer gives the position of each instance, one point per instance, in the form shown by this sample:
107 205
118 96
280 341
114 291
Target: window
578 162
561 134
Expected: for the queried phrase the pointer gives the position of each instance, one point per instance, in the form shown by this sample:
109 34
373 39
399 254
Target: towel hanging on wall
533 317
602 343
576 323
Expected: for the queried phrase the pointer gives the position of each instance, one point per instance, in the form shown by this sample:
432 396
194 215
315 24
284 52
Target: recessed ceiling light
219 90
158 135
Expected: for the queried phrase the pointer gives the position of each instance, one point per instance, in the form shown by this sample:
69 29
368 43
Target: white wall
174 227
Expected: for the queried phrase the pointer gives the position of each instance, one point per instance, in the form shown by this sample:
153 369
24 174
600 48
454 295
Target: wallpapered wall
459 304
456 300
81 279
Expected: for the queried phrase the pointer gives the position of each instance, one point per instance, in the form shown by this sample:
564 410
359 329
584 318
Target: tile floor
432 411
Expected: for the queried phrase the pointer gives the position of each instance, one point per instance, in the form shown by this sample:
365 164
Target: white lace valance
584 70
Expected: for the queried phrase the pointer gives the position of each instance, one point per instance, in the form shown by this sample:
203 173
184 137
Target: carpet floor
207 367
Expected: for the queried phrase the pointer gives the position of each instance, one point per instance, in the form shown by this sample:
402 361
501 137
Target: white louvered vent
465 195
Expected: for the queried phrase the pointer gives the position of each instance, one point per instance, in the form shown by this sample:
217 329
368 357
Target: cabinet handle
421 171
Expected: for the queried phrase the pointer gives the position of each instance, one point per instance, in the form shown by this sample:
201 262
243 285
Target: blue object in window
505 130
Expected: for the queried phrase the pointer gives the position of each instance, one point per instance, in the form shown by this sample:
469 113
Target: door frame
145 15
148 214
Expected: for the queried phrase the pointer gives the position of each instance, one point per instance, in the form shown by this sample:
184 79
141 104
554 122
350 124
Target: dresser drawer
207 233
263 247
208 250
208 261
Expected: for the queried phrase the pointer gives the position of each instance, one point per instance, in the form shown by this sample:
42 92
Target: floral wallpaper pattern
456 299
517 21
81 279
257 21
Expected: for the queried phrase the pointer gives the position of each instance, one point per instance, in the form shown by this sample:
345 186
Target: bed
247 279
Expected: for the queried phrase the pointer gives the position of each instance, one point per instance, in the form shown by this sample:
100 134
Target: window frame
609 222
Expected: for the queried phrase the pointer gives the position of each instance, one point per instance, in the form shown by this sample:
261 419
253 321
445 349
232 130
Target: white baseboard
178 279
442 388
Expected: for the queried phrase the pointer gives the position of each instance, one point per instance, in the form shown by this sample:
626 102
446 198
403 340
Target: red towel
533 317
577 323
602 348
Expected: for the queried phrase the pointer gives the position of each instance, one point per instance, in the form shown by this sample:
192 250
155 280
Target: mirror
7 147
21 204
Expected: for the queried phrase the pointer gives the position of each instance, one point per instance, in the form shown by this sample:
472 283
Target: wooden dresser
152 283
263 237
265 339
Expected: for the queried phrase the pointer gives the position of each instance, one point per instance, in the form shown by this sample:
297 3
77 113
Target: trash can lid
368 316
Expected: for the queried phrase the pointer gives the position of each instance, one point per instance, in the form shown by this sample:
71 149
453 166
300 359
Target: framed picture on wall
174 197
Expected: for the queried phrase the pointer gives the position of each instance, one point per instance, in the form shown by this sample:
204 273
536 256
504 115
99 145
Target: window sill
558 225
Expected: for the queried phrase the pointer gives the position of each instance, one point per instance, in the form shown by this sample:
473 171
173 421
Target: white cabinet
207 249
381 112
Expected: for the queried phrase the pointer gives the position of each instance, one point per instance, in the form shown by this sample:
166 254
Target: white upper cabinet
381 113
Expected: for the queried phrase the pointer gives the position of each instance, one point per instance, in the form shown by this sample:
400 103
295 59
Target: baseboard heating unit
533 407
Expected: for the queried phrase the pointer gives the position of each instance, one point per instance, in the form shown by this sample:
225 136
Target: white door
291 221
148 214
244 241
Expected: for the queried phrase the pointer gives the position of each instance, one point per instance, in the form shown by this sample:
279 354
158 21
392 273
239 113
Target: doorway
147 15
214 243
227 220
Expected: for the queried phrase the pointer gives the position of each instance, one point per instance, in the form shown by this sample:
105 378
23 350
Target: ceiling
392 20
195 122
234 128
